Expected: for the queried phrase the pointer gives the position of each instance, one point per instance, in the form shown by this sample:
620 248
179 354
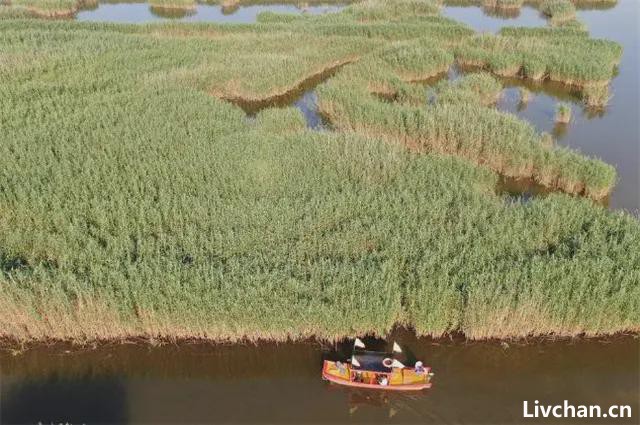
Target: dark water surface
136 12
281 383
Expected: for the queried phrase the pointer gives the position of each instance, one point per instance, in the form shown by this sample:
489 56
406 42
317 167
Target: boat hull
397 387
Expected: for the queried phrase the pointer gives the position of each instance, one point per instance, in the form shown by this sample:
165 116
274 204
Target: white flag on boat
397 364
358 343
355 362
396 348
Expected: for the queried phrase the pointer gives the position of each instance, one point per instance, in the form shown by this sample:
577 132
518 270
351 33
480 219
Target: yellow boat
377 370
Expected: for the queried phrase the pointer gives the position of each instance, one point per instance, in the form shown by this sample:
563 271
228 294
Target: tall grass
48 8
135 203
563 113
173 4
390 10
563 55
525 95
503 4
280 120
460 123
558 10
416 60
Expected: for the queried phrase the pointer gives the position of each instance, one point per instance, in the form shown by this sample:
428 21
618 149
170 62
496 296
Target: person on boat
341 367
419 367
383 380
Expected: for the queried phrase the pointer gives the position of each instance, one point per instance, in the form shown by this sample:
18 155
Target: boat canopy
370 361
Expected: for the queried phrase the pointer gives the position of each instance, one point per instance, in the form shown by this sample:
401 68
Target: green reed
135 202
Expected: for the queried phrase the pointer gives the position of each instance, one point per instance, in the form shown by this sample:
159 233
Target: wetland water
280 383
612 133
143 12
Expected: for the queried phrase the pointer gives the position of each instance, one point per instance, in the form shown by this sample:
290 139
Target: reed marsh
173 4
563 113
562 55
137 200
463 123
558 10
50 8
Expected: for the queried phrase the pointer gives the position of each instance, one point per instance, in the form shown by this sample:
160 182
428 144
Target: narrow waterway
281 383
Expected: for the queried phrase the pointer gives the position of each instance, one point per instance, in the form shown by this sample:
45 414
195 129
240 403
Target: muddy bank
17 346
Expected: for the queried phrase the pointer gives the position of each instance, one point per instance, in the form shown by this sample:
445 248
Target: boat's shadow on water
59 400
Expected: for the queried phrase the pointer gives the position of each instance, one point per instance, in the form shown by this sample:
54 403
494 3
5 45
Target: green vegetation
563 113
412 61
517 4
50 8
564 55
480 134
173 4
478 88
503 4
281 120
136 201
596 96
392 10
558 10
547 140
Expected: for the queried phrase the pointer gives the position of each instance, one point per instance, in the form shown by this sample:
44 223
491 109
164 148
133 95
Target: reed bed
562 55
563 113
462 124
517 4
480 88
392 10
173 4
596 96
49 8
415 61
280 120
558 10
134 203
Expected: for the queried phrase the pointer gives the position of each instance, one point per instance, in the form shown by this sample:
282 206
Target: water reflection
172 12
139 12
281 383
59 399
494 19
308 105
606 133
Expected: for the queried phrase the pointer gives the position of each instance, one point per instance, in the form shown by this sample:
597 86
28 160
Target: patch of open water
281 383
131 12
